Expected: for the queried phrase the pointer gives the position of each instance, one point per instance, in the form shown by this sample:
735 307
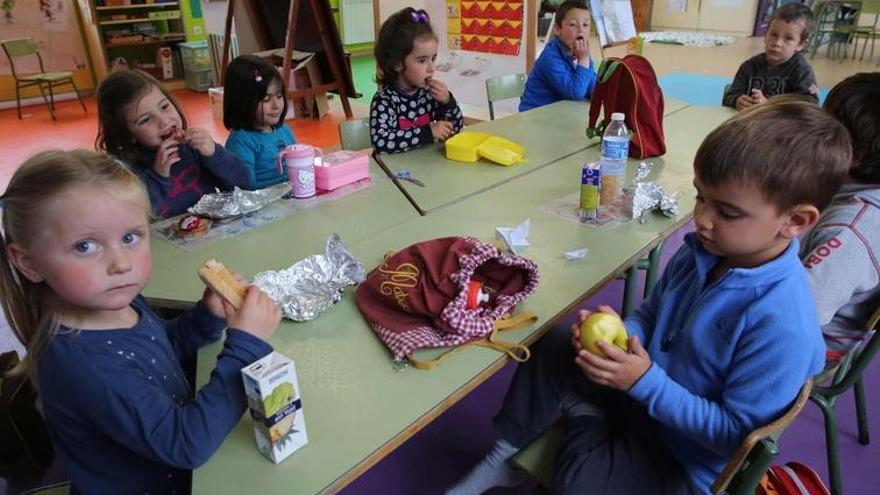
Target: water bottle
615 148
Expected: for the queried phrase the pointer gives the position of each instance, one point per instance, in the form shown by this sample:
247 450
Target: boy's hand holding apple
616 368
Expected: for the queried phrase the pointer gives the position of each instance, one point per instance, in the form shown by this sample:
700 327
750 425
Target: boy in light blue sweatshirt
564 70
721 346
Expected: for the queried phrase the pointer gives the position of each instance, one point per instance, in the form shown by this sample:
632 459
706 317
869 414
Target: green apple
607 327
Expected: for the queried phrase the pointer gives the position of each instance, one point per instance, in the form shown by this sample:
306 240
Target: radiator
357 21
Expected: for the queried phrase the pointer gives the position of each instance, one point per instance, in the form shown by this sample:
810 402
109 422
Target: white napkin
516 238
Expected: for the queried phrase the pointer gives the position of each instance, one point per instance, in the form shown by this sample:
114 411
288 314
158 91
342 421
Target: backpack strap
517 352
516 321
596 127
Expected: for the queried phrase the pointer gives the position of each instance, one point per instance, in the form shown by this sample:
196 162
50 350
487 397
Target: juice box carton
276 406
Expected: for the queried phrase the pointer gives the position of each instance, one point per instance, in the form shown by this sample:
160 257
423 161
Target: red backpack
629 85
793 478
427 295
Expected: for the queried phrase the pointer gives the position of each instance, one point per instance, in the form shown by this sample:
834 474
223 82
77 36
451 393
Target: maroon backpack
629 85
793 478
444 293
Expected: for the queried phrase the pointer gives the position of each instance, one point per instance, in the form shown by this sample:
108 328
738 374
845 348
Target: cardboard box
275 404
215 99
314 106
305 74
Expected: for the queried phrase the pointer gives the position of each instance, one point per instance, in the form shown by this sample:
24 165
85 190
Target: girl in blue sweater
254 109
564 70
140 123
75 256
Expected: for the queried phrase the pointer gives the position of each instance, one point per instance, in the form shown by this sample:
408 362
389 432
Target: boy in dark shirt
782 67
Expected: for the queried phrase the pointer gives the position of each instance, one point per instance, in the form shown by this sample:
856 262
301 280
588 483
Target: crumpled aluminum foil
310 286
649 195
234 203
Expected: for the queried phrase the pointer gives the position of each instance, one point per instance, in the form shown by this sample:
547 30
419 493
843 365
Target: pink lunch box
340 168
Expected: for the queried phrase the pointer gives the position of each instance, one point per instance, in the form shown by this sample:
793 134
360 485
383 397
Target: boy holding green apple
721 346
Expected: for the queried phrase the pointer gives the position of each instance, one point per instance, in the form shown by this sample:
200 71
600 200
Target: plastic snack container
340 168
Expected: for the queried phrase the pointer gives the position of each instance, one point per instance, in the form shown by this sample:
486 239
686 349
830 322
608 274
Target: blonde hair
33 186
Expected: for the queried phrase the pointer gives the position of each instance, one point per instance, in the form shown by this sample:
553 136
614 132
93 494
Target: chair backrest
857 361
832 12
21 47
504 87
355 134
757 451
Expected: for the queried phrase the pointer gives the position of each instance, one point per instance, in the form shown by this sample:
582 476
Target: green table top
357 407
548 133
279 244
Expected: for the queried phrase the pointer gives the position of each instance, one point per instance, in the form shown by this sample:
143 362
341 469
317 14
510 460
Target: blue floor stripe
701 89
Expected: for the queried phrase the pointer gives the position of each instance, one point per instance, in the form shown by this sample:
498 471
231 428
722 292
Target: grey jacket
842 256
794 76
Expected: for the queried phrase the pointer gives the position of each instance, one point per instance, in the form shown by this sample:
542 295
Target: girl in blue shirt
74 257
564 71
254 109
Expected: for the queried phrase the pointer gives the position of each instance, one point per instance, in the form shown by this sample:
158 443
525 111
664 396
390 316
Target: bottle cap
617 116
476 296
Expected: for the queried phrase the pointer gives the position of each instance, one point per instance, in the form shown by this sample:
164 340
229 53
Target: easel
336 85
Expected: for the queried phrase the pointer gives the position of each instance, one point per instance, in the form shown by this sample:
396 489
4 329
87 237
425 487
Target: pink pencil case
340 168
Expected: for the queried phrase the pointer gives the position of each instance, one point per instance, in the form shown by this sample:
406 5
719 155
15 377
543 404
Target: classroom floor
458 438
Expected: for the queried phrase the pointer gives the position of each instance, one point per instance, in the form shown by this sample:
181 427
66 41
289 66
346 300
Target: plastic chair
870 33
355 134
848 374
504 87
835 22
740 477
651 265
43 80
754 455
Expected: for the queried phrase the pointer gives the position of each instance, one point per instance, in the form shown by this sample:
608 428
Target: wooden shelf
130 21
148 42
138 6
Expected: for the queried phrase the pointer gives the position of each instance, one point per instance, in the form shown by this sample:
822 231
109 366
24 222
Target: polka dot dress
400 122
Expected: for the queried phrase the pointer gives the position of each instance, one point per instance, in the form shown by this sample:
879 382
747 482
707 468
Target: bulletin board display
485 26
465 70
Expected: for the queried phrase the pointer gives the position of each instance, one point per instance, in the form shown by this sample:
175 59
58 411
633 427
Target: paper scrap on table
577 254
516 238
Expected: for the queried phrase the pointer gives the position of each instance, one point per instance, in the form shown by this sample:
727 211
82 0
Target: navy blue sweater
193 176
120 410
